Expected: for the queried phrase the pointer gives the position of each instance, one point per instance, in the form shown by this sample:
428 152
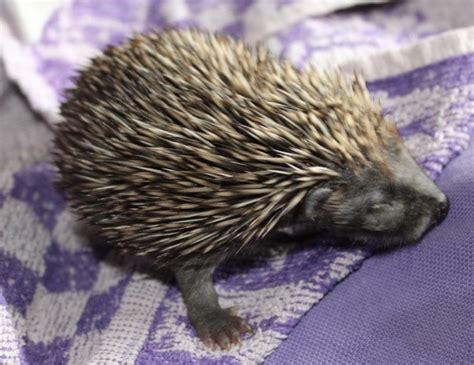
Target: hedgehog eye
379 208
383 216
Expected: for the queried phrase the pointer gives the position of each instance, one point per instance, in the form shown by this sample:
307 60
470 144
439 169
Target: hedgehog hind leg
214 325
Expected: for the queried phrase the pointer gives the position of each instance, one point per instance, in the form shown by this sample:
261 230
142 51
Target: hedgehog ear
315 200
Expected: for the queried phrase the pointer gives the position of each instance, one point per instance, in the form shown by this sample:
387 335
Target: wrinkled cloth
65 301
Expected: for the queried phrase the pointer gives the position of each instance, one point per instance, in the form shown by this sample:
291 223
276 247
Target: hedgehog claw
222 329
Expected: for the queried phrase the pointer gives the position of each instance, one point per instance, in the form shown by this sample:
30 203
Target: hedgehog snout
407 172
426 199
442 210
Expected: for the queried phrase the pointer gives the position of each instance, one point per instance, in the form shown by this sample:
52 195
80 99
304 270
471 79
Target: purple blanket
412 306
62 301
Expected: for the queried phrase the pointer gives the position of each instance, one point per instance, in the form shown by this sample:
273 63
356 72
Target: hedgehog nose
443 209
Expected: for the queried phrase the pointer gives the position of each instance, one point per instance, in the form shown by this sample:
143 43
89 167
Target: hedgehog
185 146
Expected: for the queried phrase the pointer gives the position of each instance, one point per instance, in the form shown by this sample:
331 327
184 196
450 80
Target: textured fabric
62 301
412 306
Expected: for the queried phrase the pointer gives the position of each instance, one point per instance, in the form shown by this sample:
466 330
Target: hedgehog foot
214 325
221 328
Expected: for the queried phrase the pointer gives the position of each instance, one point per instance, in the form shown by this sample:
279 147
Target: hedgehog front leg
214 325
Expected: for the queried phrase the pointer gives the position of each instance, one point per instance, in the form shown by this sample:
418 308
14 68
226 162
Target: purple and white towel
63 302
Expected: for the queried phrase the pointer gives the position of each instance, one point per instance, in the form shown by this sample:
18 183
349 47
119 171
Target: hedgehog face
376 208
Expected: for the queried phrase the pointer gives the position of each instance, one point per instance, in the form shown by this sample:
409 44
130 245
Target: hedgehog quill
186 146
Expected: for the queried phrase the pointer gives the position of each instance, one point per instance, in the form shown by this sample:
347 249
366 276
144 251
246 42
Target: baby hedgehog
186 146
